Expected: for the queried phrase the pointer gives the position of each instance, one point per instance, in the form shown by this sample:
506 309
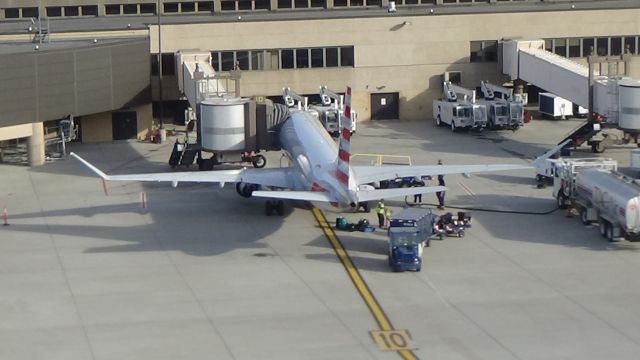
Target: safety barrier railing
381 159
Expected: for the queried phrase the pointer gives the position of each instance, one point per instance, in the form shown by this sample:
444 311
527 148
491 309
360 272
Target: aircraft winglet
90 166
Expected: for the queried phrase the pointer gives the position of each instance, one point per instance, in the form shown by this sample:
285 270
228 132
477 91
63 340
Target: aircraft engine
246 189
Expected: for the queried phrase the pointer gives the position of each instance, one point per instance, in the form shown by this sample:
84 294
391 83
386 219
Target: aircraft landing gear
274 205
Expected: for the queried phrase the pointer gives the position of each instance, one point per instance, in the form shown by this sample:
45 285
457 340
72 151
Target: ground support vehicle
409 232
503 110
610 198
567 168
554 106
459 113
565 171
448 225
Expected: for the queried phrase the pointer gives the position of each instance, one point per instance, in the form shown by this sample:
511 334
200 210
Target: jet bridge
198 81
615 98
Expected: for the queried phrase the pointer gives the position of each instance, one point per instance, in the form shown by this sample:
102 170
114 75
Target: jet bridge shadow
195 218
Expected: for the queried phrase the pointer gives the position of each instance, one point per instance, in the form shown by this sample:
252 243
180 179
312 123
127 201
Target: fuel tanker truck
610 198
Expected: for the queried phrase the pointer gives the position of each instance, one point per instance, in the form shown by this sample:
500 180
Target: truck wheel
453 126
418 268
610 236
461 233
603 227
279 205
583 216
268 207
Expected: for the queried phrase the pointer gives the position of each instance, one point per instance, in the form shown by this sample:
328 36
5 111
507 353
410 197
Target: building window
71 11
244 4
284 4
283 59
588 47
317 4
187 7
286 57
302 58
317 58
228 63
332 57
205 6
242 60
261 4
30 12
112 9
130 9
54 11
90 10
574 47
560 47
630 44
12 13
339 3
170 7
602 46
346 56
228 5
410 2
616 46
375 2
301 4
147 8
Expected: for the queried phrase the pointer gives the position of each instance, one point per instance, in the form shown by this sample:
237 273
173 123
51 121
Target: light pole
160 107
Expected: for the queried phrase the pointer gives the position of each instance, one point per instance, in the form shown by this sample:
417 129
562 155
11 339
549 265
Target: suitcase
188 156
176 153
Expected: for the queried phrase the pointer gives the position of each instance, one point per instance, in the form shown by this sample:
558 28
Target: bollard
5 217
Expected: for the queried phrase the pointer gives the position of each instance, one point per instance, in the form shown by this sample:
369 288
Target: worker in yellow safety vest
380 212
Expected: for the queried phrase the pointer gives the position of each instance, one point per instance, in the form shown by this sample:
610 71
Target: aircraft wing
369 174
278 177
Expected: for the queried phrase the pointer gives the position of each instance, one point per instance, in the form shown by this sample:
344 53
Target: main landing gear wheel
274 205
258 161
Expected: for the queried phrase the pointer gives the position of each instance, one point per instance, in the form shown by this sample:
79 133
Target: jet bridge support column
35 145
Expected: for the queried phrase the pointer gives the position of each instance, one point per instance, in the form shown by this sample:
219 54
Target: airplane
320 171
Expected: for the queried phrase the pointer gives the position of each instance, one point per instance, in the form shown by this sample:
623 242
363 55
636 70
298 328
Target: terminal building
110 64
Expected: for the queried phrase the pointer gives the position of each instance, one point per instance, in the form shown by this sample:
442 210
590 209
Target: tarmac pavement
201 272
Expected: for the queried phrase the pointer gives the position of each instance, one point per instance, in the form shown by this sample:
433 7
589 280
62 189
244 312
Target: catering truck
409 232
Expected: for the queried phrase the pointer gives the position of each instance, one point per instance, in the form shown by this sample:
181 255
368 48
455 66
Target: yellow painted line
387 331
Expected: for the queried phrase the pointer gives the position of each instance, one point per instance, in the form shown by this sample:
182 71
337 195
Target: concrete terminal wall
404 54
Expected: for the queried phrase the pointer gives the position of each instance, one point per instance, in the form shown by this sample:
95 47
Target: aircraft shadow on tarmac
195 218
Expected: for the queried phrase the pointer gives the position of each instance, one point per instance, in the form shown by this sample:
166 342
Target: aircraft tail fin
344 143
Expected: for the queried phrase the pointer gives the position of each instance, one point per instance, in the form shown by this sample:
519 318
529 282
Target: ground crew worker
380 212
440 194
